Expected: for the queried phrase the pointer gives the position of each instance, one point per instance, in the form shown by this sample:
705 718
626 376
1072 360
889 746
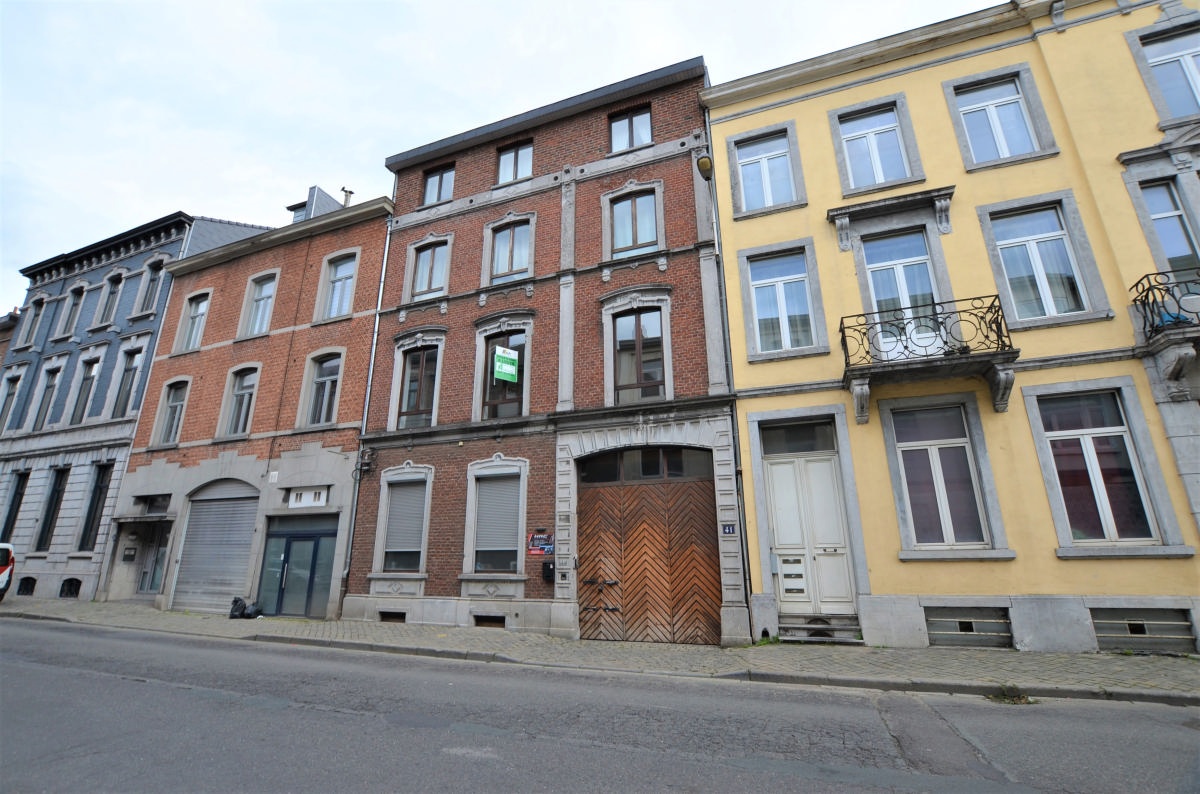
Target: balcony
1169 307
950 339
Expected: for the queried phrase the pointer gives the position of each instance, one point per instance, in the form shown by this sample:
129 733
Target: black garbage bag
252 611
238 609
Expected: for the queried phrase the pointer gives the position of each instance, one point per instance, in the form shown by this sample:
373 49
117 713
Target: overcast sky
116 112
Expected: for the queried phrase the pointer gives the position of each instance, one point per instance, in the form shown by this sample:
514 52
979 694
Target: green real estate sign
504 367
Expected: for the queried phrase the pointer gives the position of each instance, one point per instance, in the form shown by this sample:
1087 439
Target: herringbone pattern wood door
648 563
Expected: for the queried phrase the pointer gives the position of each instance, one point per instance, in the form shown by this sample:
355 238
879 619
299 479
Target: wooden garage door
648 563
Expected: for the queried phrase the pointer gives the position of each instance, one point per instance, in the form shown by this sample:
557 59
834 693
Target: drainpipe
362 425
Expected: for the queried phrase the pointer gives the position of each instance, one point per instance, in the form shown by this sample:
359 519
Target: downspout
362 425
737 443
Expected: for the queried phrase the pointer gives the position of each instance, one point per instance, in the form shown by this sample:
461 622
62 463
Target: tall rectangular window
11 384
71 315
87 384
340 296
996 120
510 253
765 172
417 387
49 387
781 304
95 508
630 130
241 401
429 279
125 389
497 523
193 322
33 319
1171 225
405 526
325 374
1098 473
505 386
108 304
54 499
640 375
516 162
634 225
174 401
16 495
1175 63
902 288
1041 271
940 482
262 300
150 282
873 147
439 185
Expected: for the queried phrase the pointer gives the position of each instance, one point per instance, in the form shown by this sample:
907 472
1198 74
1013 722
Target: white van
7 567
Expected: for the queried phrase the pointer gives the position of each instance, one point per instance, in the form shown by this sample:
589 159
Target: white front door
810 558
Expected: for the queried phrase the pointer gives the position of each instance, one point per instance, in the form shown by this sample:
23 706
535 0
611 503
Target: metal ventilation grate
974 627
1159 630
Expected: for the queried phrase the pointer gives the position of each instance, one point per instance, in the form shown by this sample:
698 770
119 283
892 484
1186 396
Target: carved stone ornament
1001 378
860 390
1173 364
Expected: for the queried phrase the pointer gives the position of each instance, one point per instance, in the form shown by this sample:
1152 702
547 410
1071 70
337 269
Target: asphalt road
97 710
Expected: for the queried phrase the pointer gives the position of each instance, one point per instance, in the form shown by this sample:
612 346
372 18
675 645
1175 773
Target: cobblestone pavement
1164 679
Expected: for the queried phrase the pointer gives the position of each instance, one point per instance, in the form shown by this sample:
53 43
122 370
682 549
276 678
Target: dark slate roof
210 233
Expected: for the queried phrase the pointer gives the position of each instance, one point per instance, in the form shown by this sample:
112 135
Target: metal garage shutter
216 554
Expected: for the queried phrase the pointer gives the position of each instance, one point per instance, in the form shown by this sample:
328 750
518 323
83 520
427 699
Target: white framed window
404 515
515 162
239 401
781 287
191 326
502 387
151 280
31 320
632 222
439 185
428 269
337 298
629 130
109 298
1174 63
903 293
1171 227
45 398
765 172
170 420
11 384
876 145
1107 493
496 516
131 366
1042 261
85 388
72 304
101 479
510 252
325 373
637 345
259 304
998 117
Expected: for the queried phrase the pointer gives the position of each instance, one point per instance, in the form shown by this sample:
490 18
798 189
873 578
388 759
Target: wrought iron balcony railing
910 333
1168 300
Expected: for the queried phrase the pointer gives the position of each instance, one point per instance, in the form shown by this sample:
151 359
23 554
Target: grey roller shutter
496 520
215 561
406 516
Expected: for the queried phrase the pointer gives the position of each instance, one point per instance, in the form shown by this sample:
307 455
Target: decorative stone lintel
860 390
1000 379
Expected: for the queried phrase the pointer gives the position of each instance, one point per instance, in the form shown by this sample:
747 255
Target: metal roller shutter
216 554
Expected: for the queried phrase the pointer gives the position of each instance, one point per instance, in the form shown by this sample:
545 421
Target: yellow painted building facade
960 268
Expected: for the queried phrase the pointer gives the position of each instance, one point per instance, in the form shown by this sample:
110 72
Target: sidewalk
1158 679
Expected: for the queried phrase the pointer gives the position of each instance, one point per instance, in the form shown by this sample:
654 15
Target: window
125 389
339 287
49 387
634 225
902 289
405 528
260 300
150 281
193 322
87 383
326 371
630 130
16 495
640 375
429 278
781 305
439 185
54 499
71 313
1097 471
876 145
497 513
33 318
174 400
95 508
998 118
504 390
1175 64
11 384
241 401
516 162
1171 226
764 172
510 252
1042 262
418 388
108 303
